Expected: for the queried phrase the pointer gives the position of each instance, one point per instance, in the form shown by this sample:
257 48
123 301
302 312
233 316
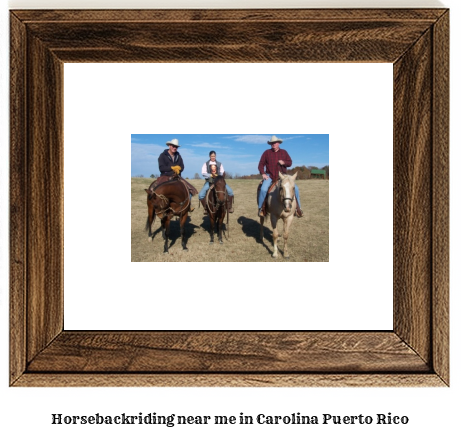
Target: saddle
164 179
271 189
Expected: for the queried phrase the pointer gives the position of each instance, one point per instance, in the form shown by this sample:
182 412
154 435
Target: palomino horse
167 200
281 203
216 201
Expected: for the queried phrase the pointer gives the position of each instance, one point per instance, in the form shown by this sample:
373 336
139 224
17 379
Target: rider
272 161
170 163
209 176
170 158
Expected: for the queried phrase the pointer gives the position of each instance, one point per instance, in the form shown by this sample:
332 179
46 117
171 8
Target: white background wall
29 410
352 102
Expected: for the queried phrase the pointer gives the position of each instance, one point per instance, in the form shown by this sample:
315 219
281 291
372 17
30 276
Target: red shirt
269 163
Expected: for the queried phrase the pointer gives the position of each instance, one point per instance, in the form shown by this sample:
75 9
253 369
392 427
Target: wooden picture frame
414 353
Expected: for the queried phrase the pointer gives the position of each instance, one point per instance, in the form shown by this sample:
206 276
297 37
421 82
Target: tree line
304 173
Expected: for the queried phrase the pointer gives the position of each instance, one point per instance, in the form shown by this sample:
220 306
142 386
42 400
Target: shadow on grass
175 230
251 228
206 225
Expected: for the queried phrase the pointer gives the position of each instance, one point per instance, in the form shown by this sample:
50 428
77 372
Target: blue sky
238 153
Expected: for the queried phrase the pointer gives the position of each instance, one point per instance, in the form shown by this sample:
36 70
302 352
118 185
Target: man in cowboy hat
272 161
170 158
208 173
170 163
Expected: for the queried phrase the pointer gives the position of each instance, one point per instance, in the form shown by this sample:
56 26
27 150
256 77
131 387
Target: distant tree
196 176
303 172
153 176
237 176
140 176
251 177
229 175
327 169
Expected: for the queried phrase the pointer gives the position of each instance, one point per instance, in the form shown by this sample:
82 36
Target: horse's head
157 201
287 190
220 190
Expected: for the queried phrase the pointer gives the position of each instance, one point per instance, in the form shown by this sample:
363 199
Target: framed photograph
414 353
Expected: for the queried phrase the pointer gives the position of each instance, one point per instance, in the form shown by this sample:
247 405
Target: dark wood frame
414 353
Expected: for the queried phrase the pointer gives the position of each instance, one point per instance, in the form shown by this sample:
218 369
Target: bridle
162 212
219 203
167 208
282 193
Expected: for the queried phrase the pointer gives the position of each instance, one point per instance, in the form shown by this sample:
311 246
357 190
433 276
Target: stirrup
261 213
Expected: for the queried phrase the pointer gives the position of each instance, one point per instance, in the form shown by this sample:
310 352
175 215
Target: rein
163 198
282 193
208 196
218 207
281 188
168 207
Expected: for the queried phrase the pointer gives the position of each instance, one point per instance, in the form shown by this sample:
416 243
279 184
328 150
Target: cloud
207 145
143 150
294 137
144 158
251 139
259 139
235 157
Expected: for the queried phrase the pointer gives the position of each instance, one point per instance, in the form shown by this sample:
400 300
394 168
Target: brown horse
167 200
216 202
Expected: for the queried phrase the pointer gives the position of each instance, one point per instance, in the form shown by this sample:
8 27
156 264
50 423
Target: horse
216 202
165 201
281 204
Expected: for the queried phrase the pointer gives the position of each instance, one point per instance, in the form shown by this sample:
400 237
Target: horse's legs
150 220
183 227
261 228
149 228
275 234
220 220
286 228
212 224
166 233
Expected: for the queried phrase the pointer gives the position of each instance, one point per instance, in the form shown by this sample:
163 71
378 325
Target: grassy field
308 240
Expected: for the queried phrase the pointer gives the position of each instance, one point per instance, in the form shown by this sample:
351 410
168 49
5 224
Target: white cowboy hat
274 139
173 142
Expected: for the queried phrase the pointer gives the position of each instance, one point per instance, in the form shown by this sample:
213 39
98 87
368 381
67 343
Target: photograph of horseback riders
229 197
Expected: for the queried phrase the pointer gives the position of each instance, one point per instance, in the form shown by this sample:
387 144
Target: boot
299 212
191 208
262 211
203 201
230 200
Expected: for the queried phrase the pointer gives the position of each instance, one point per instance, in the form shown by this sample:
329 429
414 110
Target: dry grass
308 240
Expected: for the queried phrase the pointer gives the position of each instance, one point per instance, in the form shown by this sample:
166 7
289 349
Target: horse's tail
227 210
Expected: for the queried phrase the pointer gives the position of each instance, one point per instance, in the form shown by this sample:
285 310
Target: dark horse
216 202
167 200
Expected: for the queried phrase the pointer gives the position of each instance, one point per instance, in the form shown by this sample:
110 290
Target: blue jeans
266 185
202 193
